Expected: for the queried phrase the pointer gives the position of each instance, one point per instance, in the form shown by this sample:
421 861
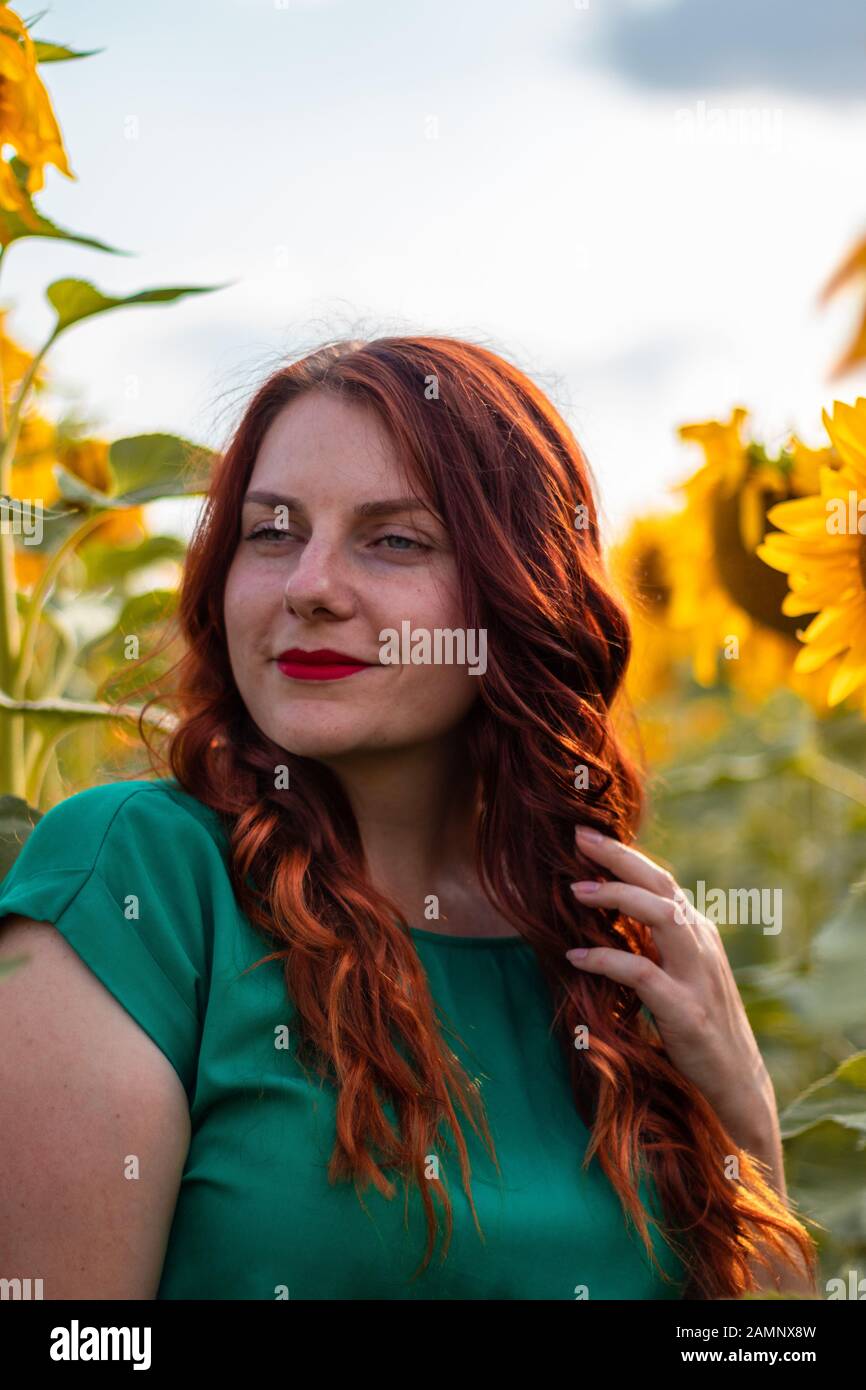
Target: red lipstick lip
320 665
322 656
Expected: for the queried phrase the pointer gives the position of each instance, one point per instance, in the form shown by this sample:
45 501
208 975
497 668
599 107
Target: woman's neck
417 813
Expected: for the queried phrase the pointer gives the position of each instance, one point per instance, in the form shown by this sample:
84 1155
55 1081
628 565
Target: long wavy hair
496 460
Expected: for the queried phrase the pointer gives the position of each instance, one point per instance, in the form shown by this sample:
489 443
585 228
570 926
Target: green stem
41 590
10 441
11 726
71 713
86 709
834 776
63 669
41 764
64 664
40 746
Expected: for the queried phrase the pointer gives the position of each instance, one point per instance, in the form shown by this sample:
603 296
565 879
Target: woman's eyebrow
387 506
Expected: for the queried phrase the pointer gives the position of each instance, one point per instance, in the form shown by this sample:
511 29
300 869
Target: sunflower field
748 606
746 693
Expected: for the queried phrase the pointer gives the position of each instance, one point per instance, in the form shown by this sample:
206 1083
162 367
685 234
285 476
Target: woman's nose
317 575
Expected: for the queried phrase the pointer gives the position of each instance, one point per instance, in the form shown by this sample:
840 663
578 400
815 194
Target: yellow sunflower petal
851 674
847 429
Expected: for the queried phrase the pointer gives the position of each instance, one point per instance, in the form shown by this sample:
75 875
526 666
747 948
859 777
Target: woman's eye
393 536
279 531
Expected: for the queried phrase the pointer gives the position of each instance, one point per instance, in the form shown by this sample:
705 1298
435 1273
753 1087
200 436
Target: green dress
134 875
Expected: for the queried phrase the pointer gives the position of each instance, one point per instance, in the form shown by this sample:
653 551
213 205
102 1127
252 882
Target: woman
455 1072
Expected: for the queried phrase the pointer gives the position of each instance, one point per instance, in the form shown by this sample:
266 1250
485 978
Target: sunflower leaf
48 52
75 489
840 1097
147 466
74 300
17 819
13 227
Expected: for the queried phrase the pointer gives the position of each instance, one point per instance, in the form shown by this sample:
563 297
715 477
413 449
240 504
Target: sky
637 201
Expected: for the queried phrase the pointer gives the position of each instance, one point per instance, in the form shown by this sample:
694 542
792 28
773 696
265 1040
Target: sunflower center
754 586
650 574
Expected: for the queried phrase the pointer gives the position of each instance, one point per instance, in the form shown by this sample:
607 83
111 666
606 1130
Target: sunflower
88 460
640 565
724 596
27 121
40 448
821 547
15 363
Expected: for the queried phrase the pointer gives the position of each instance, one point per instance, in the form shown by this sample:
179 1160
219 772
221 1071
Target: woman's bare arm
765 1144
84 1093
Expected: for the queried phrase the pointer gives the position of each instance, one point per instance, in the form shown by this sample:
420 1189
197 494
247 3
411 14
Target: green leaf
147 466
48 52
144 467
829 997
840 1097
143 610
112 564
13 227
722 769
825 1167
57 527
75 489
137 614
17 819
74 300
58 713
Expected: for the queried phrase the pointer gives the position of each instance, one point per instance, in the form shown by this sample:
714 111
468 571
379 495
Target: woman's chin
305 740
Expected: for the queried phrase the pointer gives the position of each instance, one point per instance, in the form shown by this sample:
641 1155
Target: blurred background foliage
748 677
748 692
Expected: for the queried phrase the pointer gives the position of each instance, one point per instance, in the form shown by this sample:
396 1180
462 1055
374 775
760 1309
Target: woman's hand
692 996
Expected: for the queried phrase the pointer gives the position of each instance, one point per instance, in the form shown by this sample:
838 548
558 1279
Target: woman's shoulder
120 838
133 874
94 825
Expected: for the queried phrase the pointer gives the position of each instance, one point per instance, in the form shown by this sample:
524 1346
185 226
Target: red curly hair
496 460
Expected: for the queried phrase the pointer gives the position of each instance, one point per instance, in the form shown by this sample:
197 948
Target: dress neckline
446 940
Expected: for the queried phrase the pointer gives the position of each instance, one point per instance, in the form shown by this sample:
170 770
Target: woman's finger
624 862
668 918
650 983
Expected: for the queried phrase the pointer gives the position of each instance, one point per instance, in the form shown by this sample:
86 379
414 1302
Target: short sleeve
123 872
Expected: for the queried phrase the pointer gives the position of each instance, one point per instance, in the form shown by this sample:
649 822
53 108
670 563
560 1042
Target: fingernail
577 954
588 833
585 886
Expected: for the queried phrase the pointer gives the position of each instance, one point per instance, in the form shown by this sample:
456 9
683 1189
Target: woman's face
328 575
